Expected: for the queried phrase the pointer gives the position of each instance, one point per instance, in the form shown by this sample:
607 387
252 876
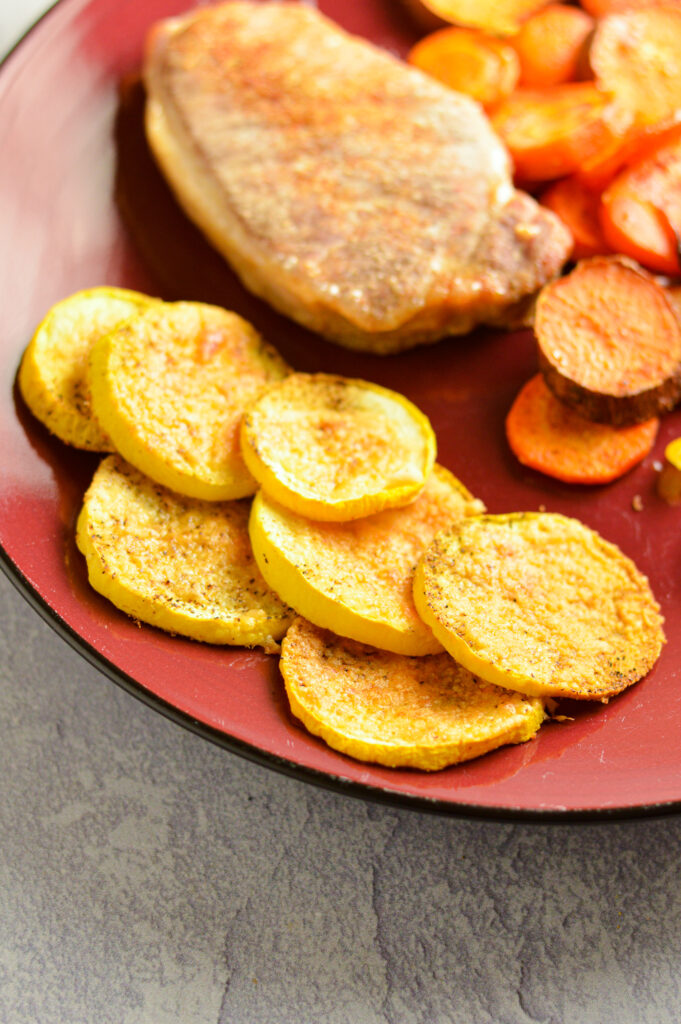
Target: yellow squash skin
539 603
394 710
53 376
333 448
356 577
180 564
170 388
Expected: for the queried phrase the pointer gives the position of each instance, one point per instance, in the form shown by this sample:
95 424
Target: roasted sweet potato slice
181 564
539 603
334 448
609 343
356 577
394 710
170 388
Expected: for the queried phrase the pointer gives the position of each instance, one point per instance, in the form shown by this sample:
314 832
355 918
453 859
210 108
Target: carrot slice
609 342
546 435
636 56
641 208
551 45
469 61
550 131
578 208
499 17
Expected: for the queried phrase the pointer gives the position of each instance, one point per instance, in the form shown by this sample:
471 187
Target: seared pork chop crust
350 191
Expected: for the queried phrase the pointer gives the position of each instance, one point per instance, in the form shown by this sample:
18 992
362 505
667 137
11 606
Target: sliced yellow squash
395 710
53 376
334 448
178 563
539 603
356 577
170 388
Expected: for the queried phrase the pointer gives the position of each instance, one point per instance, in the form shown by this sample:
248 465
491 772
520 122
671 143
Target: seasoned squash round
335 448
178 563
170 388
53 376
540 603
395 710
356 577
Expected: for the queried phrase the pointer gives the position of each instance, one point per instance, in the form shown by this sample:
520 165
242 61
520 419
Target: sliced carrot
551 45
469 61
636 57
641 208
546 435
550 131
499 17
609 344
628 141
578 208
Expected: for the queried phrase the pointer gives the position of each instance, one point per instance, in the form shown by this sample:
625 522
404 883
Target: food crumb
637 503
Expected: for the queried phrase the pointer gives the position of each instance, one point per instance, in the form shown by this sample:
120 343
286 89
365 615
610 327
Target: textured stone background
147 877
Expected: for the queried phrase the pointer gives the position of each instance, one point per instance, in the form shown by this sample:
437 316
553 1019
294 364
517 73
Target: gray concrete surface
148 877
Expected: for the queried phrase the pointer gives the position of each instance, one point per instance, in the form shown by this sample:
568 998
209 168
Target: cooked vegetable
609 343
499 17
469 61
539 603
334 448
641 208
546 435
550 131
669 479
181 564
551 45
578 207
53 376
394 710
356 577
636 58
170 388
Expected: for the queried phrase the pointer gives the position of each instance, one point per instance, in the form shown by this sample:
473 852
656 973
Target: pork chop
349 190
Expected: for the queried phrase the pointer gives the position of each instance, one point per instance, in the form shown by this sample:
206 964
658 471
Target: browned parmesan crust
352 192
178 563
540 603
395 710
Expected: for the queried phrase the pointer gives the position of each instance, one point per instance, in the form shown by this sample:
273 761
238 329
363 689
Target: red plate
82 205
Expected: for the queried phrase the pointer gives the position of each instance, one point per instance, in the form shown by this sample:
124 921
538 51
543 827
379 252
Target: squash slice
178 563
170 388
53 376
539 603
334 448
356 577
394 710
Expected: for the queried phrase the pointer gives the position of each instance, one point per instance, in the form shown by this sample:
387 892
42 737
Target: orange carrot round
550 131
636 57
640 210
469 61
544 434
578 208
551 45
609 344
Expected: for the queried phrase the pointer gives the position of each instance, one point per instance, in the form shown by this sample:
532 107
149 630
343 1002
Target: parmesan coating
171 386
53 376
334 448
181 564
356 577
540 603
395 710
